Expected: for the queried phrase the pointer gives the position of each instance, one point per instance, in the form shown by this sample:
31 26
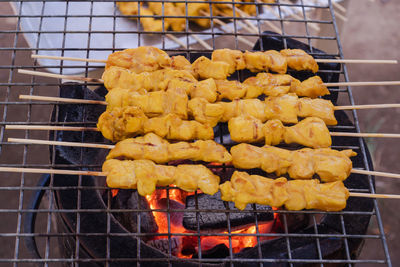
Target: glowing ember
189 244
114 192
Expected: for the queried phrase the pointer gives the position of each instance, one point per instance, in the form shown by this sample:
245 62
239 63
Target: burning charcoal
174 217
129 199
163 244
294 221
219 251
214 220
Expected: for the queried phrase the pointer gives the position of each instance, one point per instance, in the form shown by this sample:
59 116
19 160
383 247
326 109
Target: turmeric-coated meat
310 132
205 68
298 59
159 150
286 108
234 58
121 123
330 165
223 62
159 80
152 104
245 189
280 84
145 175
141 59
169 9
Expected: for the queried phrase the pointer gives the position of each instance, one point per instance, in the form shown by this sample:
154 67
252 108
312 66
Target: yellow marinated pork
310 132
331 165
159 150
121 123
145 175
286 108
298 59
141 59
245 189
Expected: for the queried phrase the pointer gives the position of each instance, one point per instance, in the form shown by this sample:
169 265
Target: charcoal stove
92 225
121 227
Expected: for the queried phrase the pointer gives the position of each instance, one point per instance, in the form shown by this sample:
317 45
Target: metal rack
17 190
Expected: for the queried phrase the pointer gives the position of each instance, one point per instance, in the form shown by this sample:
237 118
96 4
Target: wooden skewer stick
85 101
364 61
244 15
370 195
95 173
351 61
220 22
50 128
93 80
295 15
69 58
367 106
72 128
62 99
230 29
380 135
58 143
52 171
340 16
240 38
272 26
60 76
339 6
202 42
375 173
176 40
362 83
92 145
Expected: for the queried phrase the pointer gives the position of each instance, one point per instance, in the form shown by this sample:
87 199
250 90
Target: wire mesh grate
29 25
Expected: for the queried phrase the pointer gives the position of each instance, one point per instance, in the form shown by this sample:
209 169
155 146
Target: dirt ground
372 31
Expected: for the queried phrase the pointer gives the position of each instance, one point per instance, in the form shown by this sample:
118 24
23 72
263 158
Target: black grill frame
22 189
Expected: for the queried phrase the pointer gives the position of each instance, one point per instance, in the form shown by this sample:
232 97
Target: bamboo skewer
60 76
370 195
99 102
340 16
69 58
103 174
92 145
319 60
52 171
243 15
295 15
240 38
230 29
202 42
351 61
94 80
339 6
379 135
220 22
176 40
367 106
58 143
362 83
50 128
62 99
375 173
72 128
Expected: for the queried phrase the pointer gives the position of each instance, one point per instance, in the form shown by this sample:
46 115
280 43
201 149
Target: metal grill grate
17 190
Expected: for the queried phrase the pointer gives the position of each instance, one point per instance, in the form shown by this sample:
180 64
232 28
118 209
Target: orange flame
114 192
207 242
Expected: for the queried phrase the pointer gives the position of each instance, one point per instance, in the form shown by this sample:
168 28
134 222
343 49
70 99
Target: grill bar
23 186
